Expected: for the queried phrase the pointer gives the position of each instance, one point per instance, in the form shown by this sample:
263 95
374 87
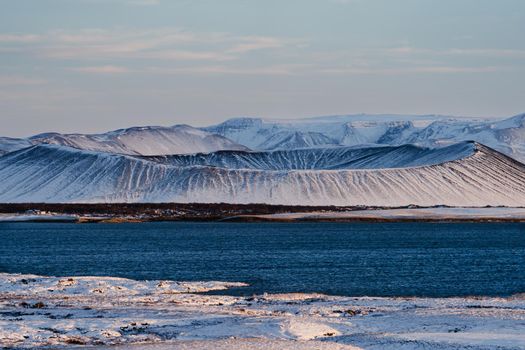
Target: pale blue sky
95 65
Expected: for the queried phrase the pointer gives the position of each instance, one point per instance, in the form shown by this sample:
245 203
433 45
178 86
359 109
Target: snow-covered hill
148 140
477 176
507 136
324 158
8 144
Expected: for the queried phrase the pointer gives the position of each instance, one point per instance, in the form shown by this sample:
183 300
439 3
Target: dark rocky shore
142 212
163 211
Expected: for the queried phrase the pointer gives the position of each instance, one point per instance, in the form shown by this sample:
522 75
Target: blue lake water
375 259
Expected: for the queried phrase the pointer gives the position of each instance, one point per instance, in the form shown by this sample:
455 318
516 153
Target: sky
98 65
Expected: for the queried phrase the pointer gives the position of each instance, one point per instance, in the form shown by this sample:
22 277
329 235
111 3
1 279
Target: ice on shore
437 213
37 217
38 311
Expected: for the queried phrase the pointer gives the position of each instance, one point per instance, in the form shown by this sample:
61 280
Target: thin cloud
486 52
144 2
509 53
414 70
127 2
20 81
101 69
257 43
162 44
346 2
18 38
196 70
179 51
176 55
284 69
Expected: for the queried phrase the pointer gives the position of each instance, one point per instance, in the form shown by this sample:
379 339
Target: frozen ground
102 312
441 214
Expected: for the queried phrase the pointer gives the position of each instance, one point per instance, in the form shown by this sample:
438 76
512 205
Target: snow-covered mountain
384 160
507 136
148 140
350 130
467 174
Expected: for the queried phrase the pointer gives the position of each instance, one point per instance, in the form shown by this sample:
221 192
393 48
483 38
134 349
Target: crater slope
473 175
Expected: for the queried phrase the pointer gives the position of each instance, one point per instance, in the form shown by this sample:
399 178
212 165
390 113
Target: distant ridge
335 158
147 140
506 135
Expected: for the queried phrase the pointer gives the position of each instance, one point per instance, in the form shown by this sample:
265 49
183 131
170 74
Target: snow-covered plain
37 311
49 173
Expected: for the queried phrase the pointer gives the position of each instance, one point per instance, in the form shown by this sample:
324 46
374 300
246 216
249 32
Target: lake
352 259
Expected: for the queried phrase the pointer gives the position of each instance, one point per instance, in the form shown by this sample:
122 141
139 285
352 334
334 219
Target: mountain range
379 160
506 135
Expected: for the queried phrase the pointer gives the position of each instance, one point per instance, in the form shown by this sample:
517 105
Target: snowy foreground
53 312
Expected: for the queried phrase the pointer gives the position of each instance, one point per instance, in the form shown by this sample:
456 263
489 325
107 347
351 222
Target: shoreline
399 215
248 213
